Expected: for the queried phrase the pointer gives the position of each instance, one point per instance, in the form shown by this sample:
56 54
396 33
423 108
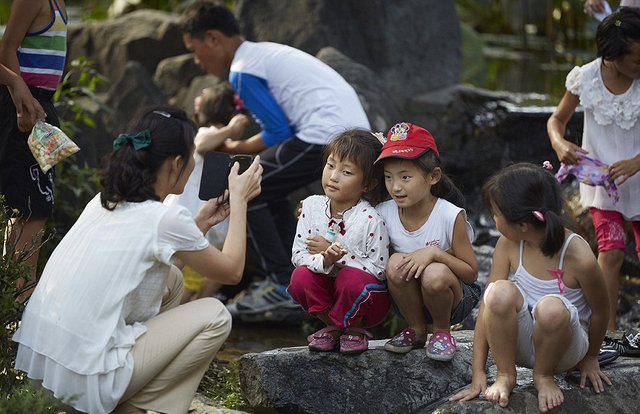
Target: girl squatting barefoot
341 247
552 316
608 89
432 275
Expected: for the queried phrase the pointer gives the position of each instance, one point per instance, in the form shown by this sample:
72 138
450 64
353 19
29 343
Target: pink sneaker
323 341
441 346
353 344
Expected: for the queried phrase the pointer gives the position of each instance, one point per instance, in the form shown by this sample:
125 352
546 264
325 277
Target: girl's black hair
616 33
445 188
362 148
519 190
208 15
129 174
218 105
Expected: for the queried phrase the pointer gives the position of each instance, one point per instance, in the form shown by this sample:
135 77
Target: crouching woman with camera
103 328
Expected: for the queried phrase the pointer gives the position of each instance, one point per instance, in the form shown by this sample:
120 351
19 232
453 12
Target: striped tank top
42 54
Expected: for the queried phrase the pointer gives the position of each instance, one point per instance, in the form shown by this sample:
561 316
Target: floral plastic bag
49 145
591 171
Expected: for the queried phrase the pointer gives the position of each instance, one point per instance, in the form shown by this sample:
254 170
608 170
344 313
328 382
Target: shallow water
246 338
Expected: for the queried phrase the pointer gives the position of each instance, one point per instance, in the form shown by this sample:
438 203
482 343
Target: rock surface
294 380
377 101
414 45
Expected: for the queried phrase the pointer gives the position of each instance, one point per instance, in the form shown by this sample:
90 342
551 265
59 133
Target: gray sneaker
262 297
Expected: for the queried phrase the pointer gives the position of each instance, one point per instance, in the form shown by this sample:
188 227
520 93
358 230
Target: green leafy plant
80 82
26 399
12 268
222 385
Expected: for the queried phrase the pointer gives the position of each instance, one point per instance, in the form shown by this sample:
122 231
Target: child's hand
478 386
237 126
412 265
590 368
568 152
624 169
317 244
333 253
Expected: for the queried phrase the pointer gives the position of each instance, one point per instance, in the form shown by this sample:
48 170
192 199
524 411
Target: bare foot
500 390
549 395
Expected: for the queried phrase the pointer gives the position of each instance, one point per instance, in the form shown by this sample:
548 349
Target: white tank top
534 289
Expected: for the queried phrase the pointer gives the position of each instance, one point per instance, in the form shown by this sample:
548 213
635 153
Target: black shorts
24 186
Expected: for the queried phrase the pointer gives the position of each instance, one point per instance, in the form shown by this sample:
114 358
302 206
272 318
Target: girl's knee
393 274
437 278
552 313
502 296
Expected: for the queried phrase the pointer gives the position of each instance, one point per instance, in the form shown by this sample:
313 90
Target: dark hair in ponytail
130 174
521 189
445 188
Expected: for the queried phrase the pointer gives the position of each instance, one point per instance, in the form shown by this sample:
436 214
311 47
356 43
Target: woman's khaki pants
171 358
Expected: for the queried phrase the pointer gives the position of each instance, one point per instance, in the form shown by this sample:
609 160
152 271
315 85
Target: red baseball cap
409 141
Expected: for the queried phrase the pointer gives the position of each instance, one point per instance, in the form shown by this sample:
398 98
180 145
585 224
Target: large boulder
135 90
146 36
414 45
294 380
176 72
376 100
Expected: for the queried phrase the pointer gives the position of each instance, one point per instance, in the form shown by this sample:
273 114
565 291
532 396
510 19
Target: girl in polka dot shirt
341 247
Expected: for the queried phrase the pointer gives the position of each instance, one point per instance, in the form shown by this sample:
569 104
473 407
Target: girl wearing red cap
432 275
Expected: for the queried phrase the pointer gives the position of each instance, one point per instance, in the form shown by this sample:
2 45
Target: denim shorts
470 298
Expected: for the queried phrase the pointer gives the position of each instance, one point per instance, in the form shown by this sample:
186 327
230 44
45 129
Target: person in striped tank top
34 47
552 315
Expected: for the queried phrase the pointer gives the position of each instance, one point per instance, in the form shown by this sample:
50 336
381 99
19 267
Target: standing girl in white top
608 89
104 324
432 275
552 316
341 247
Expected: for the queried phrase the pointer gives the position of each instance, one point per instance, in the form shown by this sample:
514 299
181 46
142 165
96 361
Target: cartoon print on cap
399 132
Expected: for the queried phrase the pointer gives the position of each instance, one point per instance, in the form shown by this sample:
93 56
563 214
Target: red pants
609 226
352 295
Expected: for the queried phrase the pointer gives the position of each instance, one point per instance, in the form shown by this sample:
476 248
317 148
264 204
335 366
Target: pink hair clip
196 104
547 165
380 137
239 104
538 214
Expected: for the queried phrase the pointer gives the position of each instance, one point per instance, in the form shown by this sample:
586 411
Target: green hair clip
139 140
618 23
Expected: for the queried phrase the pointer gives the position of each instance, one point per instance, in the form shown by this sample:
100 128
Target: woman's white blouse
103 281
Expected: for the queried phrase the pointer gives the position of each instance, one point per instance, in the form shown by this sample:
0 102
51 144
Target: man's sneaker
607 354
616 345
262 297
631 342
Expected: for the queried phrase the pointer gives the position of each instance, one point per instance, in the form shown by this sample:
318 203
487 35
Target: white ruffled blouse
103 281
611 133
363 234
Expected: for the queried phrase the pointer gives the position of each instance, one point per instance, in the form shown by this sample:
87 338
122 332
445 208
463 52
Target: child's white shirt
436 231
365 238
191 200
611 133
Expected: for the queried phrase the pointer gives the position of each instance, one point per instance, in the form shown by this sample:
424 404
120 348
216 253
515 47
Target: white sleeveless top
436 231
535 289
611 133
